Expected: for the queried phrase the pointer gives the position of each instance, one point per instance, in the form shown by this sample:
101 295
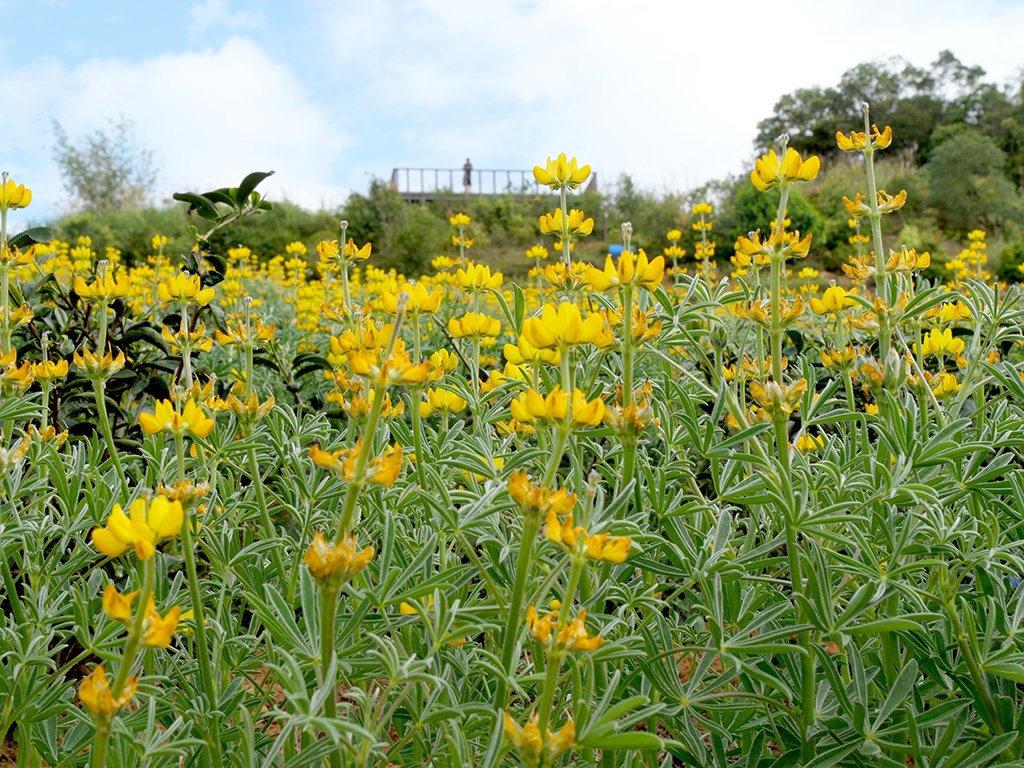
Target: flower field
655 511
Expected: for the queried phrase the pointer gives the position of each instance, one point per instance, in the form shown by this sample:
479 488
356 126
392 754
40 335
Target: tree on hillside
105 170
967 185
914 101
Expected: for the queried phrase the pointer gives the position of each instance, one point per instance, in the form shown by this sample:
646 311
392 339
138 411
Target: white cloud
210 117
668 91
215 15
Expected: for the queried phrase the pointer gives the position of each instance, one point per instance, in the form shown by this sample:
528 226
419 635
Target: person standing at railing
467 175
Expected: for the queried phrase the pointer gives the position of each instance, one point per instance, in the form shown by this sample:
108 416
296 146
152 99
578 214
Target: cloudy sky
332 93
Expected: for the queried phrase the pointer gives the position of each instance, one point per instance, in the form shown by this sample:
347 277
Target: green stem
977 676
512 626
134 641
328 615
198 614
268 525
98 759
108 436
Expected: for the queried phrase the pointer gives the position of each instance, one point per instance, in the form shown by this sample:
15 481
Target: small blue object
617 249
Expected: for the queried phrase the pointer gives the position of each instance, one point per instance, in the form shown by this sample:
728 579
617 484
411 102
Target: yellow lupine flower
586 413
95 695
397 369
104 289
574 636
575 224
561 173
477 277
460 220
562 325
531 406
534 750
859 141
147 523
118 606
159 630
192 419
833 301
631 269
444 360
94 366
441 401
939 343
474 324
600 546
352 252
947 385
536 498
14 195
770 172
48 370
809 443
419 299
522 352
336 561
184 288
381 470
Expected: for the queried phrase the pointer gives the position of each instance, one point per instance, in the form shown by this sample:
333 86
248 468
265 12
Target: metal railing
437 183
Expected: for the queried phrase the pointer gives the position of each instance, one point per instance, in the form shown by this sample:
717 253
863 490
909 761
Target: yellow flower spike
419 300
460 220
833 301
770 172
606 548
576 224
13 195
947 385
631 269
541 627
477 277
118 606
474 324
531 748
337 563
352 252
444 360
562 325
574 636
771 396
523 353
191 420
586 413
441 401
531 406
384 469
858 141
104 289
939 343
48 370
237 334
537 252
809 443
561 173
159 630
95 695
185 289
147 524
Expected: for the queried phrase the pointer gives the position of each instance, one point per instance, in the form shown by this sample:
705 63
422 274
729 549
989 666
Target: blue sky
330 94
